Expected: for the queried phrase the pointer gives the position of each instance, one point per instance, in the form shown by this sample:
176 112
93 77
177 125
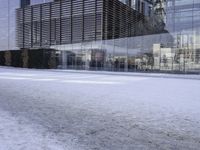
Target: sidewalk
138 74
147 74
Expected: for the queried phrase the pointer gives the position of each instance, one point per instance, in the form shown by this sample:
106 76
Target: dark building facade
24 3
66 22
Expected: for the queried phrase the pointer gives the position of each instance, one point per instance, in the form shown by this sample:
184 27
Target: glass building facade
166 37
176 50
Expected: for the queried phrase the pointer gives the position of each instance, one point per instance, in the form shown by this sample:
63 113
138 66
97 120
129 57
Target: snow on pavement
62 110
18 134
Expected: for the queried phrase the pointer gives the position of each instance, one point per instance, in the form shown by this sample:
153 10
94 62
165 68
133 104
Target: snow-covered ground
63 110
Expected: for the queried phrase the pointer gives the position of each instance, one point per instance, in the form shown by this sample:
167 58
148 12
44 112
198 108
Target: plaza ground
69 110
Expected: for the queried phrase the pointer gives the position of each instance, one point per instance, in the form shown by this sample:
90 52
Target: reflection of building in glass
115 35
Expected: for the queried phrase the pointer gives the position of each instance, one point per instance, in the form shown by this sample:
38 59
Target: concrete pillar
8 58
64 60
24 58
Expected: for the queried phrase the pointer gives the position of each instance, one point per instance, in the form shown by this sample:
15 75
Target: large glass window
176 49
